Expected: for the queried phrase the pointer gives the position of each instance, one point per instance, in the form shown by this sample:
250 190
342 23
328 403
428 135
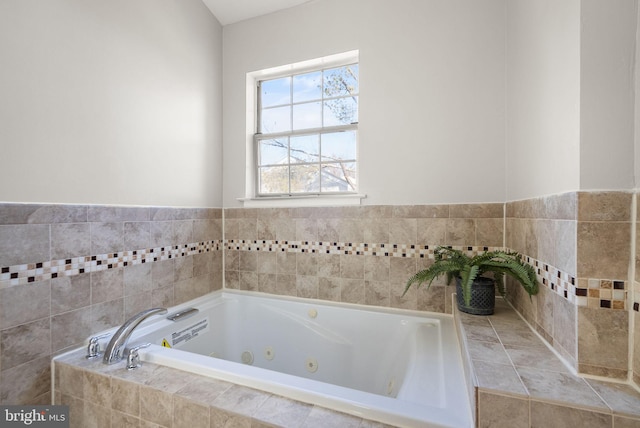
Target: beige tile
286 285
183 268
24 243
536 358
247 261
307 286
592 260
249 281
247 228
621 398
500 411
476 210
241 400
376 230
623 422
70 240
137 278
329 289
283 411
604 206
431 231
96 388
265 230
560 207
137 235
431 299
70 328
376 293
223 419
25 343
286 263
351 267
498 377
489 232
24 303
204 390
352 291
188 414
461 231
329 265
267 283
548 385
156 406
107 238
69 380
603 337
306 264
306 230
487 351
403 231
70 292
376 268
122 420
107 285
96 416
545 415
323 418
266 262
125 397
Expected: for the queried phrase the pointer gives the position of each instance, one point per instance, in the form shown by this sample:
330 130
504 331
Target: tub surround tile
555 395
500 411
547 415
281 411
498 377
322 418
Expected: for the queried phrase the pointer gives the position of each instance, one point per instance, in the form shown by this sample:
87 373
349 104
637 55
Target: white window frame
252 199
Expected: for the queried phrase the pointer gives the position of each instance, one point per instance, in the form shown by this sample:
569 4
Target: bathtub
402 368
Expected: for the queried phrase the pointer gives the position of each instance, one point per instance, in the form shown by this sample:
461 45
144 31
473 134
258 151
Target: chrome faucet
115 349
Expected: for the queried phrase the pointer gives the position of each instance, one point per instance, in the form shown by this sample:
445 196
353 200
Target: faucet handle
93 350
133 358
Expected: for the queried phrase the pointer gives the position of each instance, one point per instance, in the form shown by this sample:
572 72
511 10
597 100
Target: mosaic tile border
34 272
585 292
597 293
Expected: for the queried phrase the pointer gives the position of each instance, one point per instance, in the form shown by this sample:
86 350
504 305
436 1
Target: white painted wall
607 94
543 97
110 102
432 82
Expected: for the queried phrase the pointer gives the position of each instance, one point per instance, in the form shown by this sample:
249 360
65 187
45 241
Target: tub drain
311 364
247 357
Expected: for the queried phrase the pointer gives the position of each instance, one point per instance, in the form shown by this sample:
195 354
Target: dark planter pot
483 297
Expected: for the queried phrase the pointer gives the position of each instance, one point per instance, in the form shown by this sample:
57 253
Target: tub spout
115 349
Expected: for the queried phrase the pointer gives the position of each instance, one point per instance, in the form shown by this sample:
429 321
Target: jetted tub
398 367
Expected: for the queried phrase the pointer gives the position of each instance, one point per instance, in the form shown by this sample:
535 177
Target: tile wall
360 255
585 237
69 271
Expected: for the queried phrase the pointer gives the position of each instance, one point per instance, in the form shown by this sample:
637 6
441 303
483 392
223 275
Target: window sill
303 201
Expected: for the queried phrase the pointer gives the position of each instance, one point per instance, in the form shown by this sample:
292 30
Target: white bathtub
398 367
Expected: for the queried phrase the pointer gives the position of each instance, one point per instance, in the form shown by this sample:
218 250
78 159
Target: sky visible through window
307 132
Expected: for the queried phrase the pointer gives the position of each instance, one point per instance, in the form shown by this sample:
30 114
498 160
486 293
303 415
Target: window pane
275 92
339 177
274 179
277 119
341 81
307 115
339 146
307 87
305 178
340 111
273 151
305 148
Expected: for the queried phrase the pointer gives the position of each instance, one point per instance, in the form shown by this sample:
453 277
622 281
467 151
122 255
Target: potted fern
476 290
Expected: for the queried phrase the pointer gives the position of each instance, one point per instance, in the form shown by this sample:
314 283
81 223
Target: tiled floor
521 382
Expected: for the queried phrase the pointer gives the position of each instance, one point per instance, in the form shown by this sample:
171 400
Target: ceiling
230 11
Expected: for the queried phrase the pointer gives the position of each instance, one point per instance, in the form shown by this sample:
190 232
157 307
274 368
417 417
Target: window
306 137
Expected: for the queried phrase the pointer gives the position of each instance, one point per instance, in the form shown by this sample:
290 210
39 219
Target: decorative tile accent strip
33 272
593 293
346 248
